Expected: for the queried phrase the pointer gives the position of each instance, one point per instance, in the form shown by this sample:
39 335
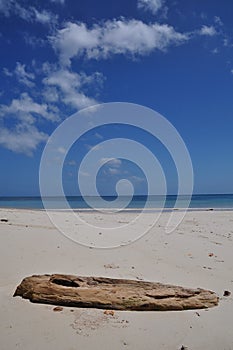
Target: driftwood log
110 293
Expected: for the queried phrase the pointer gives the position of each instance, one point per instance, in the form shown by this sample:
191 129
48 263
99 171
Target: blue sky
59 56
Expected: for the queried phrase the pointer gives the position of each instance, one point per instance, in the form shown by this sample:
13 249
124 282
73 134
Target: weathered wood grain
110 293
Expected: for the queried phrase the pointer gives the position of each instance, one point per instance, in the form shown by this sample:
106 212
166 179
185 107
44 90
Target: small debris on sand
211 254
57 308
226 293
111 266
183 347
109 312
4 220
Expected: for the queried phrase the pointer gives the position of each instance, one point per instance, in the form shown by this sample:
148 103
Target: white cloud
112 165
113 162
114 37
62 150
215 51
58 1
98 136
94 148
22 139
7 72
5 7
137 178
218 21
23 76
29 14
34 41
19 132
150 5
114 171
208 31
51 94
70 86
83 173
44 17
26 109
72 162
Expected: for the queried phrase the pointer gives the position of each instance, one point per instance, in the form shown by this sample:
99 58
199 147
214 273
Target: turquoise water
198 201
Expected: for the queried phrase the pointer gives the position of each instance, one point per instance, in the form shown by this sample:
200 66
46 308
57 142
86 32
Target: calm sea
220 201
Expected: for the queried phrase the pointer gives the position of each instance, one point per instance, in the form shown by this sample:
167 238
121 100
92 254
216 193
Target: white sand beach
197 254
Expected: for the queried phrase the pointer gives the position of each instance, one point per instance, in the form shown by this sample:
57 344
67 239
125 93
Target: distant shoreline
128 210
127 203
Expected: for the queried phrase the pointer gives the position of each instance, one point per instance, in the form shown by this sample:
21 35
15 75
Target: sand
197 254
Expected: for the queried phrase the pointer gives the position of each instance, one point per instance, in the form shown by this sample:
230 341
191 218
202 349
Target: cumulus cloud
208 31
69 86
26 110
19 132
62 86
150 5
131 37
24 114
22 139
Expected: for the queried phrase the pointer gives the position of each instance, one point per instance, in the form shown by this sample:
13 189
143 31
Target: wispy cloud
24 77
59 1
113 162
138 179
44 17
21 74
215 51
98 136
150 5
5 7
83 173
207 30
218 21
114 171
30 14
72 162
112 166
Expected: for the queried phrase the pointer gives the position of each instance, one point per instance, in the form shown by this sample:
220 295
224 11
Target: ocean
211 201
